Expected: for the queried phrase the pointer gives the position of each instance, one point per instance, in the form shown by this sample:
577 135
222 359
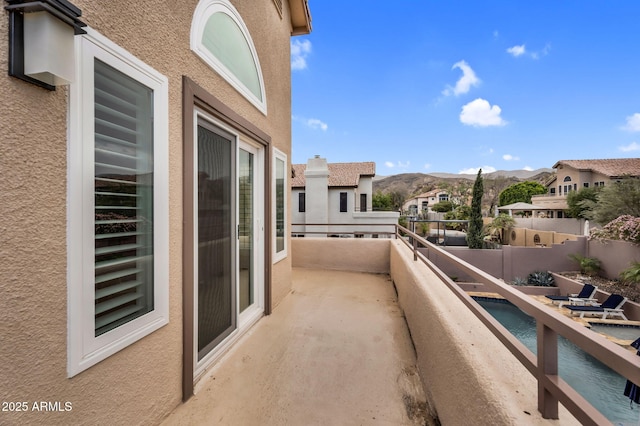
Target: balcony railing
552 390
357 230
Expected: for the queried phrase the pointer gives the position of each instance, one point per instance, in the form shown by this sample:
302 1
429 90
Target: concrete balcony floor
335 351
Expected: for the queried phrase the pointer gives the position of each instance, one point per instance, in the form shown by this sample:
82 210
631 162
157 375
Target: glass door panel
246 215
216 295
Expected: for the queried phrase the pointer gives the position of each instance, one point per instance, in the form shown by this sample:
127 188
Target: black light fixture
41 46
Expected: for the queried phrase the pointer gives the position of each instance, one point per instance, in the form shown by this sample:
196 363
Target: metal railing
345 229
550 324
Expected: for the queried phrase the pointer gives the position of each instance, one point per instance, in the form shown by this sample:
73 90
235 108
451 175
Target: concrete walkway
336 351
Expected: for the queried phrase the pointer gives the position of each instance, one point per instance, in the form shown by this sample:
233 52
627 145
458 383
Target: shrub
541 278
442 206
631 275
588 265
519 281
402 221
423 228
624 228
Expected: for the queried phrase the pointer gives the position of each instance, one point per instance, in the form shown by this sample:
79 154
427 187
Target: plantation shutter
123 198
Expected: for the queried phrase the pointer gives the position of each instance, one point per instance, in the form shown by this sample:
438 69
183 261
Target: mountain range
411 184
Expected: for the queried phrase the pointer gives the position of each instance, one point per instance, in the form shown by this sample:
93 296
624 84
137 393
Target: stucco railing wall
511 262
466 371
614 256
344 254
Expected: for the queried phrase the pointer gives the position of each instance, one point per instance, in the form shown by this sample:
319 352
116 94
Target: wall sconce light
41 47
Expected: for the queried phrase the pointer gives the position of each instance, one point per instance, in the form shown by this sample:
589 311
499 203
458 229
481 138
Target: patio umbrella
631 389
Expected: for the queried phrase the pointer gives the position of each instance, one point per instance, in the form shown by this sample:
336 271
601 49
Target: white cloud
543 52
300 49
399 164
517 50
496 34
633 146
633 123
464 84
427 166
474 170
480 113
509 157
316 124
312 123
528 168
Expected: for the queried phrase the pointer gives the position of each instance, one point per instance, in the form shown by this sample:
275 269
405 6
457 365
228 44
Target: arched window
221 39
567 178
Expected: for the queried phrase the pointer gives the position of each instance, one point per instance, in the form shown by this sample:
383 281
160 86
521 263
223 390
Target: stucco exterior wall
469 376
333 204
511 262
614 256
365 186
141 383
344 254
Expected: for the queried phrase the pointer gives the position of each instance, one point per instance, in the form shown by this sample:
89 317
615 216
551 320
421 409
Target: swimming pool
596 382
619 331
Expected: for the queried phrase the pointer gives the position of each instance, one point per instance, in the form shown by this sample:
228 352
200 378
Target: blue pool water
597 383
624 332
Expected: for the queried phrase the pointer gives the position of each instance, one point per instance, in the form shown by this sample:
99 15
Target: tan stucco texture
141 383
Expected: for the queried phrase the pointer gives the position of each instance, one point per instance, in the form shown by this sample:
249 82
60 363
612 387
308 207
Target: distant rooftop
340 174
613 167
432 193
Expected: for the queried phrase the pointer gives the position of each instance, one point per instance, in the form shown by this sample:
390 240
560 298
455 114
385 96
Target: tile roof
340 174
613 167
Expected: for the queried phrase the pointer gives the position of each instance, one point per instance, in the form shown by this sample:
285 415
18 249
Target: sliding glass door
229 279
216 266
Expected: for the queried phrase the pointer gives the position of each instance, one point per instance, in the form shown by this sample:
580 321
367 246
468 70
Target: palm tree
500 224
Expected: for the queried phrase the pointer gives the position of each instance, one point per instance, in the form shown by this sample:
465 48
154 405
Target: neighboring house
573 175
325 194
422 204
143 224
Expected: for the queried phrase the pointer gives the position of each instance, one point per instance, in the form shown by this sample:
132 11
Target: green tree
614 200
382 202
442 207
580 202
459 213
475 233
521 192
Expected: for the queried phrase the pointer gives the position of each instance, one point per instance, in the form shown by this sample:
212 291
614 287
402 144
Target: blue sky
452 86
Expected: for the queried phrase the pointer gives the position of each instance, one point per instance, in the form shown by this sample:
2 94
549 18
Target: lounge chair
586 296
612 307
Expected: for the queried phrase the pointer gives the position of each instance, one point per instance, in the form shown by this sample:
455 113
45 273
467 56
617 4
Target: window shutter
123 198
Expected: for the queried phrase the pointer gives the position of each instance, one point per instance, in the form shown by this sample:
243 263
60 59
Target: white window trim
83 348
278 256
201 15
